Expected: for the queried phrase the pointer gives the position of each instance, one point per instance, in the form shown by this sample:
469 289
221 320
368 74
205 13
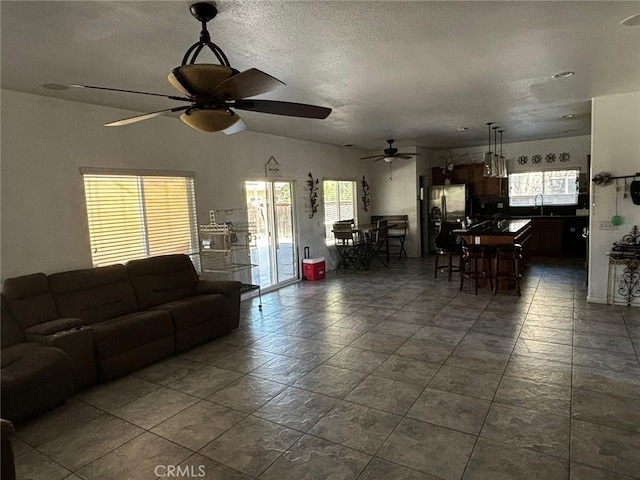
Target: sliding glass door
271 206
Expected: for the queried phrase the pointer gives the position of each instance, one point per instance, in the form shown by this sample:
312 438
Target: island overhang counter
491 232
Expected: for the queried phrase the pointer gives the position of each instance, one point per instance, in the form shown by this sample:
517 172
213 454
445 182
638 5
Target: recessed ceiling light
632 21
461 129
564 74
569 115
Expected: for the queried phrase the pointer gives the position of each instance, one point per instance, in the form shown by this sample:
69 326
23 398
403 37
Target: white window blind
339 198
138 216
552 187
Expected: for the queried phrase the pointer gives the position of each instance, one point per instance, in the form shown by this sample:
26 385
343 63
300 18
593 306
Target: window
558 187
136 216
339 203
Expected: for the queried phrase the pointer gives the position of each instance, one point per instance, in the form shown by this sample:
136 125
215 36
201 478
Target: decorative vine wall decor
313 194
365 194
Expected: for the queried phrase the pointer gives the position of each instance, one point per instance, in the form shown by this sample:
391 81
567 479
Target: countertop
559 217
490 227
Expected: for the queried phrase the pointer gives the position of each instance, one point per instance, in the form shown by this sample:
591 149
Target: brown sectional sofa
109 321
35 377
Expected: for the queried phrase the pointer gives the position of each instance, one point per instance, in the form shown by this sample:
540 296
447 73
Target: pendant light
502 161
495 165
488 157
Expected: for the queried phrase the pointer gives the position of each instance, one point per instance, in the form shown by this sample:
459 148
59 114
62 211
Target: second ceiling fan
212 92
390 154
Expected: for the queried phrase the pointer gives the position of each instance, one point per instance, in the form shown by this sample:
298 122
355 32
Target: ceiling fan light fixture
212 91
197 78
209 120
566 74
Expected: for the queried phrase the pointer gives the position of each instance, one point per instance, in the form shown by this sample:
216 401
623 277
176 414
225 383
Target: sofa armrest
54 326
6 453
230 288
7 428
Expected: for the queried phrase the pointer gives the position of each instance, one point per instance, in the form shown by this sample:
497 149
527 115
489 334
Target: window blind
138 216
339 203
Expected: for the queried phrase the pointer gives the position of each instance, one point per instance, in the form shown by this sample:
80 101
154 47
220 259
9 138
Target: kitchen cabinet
472 175
437 176
573 243
546 238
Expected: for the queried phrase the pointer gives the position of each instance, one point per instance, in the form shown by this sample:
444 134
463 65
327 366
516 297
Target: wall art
313 194
365 194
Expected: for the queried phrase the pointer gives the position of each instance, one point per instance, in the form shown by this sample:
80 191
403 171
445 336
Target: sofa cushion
162 279
35 378
94 294
29 299
230 288
55 326
196 309
118 335
10 331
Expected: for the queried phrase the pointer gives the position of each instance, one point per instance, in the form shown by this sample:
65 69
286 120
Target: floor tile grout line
442 364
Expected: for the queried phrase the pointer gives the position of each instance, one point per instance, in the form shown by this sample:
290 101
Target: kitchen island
492 232
500 265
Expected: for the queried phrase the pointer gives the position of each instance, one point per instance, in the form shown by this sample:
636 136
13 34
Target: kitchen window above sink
542 188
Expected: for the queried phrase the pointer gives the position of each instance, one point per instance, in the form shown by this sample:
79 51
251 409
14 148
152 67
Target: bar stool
512 254
476 264
446 246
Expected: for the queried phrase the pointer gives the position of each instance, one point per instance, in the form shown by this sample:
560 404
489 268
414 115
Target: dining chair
349 246
398 233
379 242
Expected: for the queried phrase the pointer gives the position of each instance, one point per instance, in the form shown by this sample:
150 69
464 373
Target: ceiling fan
212 92
390 154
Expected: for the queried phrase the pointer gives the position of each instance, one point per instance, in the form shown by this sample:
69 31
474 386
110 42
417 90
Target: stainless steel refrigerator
449 204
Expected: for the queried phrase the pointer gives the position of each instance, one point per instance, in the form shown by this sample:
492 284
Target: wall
393 192
45 141
615 146
578 148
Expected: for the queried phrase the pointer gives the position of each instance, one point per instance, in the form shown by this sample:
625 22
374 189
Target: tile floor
389 374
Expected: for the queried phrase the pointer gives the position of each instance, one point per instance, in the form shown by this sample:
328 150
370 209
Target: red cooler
313 268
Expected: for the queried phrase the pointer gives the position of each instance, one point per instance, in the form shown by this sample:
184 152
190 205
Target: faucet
535 203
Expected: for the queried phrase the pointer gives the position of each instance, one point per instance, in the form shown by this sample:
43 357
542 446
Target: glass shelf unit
225 249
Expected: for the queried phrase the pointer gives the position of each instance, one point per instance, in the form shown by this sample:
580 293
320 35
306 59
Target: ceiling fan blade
146 116
172 97
372 156
235 128
283 108
246 84
407 156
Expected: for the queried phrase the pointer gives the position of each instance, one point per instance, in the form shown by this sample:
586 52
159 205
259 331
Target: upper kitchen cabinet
471 174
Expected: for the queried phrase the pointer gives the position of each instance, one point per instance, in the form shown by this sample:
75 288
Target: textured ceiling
413 71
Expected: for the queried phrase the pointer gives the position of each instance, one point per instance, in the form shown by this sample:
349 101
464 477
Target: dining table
364 233
365 230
